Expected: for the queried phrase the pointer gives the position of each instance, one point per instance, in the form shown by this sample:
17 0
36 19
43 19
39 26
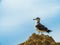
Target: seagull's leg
38 32
41 32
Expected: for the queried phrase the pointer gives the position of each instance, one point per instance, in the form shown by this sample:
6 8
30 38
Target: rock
42 39
58 43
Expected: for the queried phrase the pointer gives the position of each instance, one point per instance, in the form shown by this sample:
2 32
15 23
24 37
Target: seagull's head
37 19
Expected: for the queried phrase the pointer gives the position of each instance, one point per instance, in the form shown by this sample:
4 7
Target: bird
40 27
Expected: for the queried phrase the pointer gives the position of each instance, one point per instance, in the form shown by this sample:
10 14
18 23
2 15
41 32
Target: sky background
16 19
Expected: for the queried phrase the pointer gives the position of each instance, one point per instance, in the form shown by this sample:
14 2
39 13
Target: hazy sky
16 19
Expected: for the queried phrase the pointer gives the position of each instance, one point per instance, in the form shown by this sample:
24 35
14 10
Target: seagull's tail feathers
48 31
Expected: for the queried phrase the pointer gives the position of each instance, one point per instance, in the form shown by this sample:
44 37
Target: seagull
41 28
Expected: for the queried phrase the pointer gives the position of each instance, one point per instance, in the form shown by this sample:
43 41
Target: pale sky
16 19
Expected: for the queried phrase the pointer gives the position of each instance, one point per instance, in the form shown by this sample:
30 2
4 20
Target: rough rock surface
42 39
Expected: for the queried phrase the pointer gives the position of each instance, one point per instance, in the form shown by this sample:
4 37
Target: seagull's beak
34 19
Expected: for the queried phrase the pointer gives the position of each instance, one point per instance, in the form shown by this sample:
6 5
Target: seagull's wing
41 27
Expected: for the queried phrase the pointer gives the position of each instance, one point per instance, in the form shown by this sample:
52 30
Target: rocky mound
36 39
